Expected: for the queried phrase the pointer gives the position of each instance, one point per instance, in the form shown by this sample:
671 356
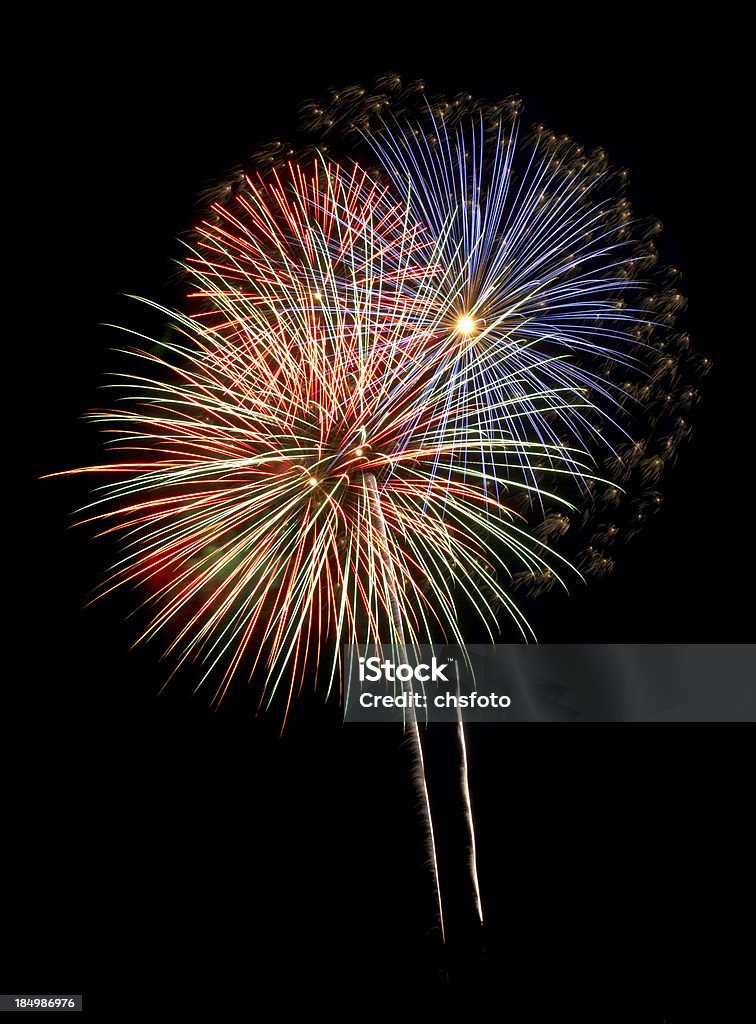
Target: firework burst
253 446
553 288
403 373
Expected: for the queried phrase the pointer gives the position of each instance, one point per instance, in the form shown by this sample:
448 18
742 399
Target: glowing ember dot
317 296
358 452
466 325
312 481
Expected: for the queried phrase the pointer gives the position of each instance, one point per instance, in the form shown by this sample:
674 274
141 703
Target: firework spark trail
464 779
469 819
416 747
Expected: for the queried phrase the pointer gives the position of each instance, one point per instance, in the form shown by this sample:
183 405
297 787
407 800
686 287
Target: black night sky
158 854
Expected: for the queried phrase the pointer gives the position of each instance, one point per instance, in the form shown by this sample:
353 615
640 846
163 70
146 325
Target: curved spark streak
465 784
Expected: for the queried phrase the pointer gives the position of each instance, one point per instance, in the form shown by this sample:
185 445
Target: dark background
151 844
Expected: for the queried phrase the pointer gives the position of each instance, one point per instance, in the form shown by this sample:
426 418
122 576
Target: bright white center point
466 325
